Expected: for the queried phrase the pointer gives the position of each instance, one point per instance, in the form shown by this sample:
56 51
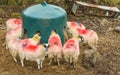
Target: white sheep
13 44
27 50
33 53
90 37
55 49
71 50
12 23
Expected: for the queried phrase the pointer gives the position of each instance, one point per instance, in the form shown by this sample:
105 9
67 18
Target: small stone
117 29
118 73
104 22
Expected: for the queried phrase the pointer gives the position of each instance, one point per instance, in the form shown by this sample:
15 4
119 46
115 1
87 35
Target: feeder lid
44 11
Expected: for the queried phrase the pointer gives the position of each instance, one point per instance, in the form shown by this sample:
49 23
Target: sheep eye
82 39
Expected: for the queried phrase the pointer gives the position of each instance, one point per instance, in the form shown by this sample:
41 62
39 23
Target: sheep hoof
15 59
3 44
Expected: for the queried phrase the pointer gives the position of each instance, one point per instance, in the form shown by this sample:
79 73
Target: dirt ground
108 48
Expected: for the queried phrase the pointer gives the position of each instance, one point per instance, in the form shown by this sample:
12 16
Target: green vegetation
18 2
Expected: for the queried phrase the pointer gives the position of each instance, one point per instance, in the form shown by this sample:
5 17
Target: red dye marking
17 21
30 48
81 25
71 43
73 24
81 31
54 40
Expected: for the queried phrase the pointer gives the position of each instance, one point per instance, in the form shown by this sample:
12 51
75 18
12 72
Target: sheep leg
55 58
66 59
14 59
58 61
73 64
68 64
38 63
50 61
41 62
6 47
14 54
21 61
3 44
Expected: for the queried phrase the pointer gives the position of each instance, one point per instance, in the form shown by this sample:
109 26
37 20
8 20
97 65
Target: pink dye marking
32 48
81 25
54 40
81 31
17 21
71 43
73 24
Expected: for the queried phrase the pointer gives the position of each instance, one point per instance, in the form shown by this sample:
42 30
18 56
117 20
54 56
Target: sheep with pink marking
55 49
13 44
71 50
27 50
90 37
71 25
13 23
33 53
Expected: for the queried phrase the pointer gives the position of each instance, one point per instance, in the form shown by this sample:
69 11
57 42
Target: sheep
55 49
74 25
27 50
14 29
90 37
71 50
12 44
33 53
13 23
15 33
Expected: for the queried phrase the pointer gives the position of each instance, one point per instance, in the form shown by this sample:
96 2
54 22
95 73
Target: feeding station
44 18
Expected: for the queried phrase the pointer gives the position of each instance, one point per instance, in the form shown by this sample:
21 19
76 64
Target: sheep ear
46 45
55 31
81 38
64 27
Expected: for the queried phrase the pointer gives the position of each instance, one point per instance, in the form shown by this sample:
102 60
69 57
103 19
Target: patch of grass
18 2
16 15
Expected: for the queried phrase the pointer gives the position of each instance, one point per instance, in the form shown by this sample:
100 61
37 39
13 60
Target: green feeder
44 18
